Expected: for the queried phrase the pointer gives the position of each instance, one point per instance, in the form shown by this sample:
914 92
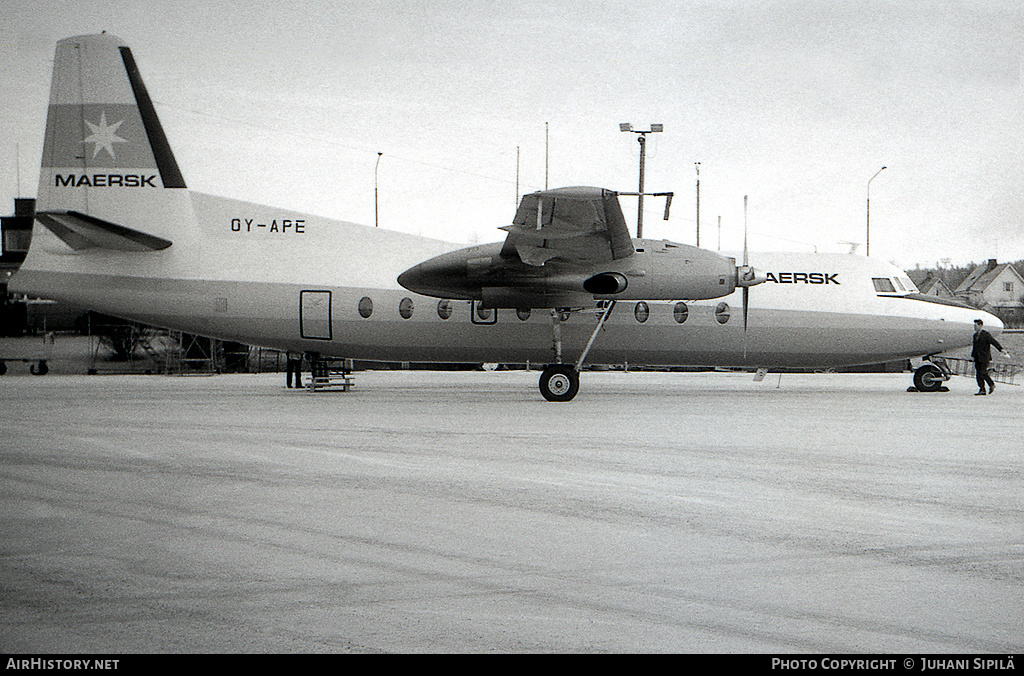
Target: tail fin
108 177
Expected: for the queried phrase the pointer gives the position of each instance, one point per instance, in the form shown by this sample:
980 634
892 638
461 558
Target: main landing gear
559 381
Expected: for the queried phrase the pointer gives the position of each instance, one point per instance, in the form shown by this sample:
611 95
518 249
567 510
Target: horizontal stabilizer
81 231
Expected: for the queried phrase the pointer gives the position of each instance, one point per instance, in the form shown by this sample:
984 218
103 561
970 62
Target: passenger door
315 315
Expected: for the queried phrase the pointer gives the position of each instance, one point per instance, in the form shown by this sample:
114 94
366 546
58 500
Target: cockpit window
884 285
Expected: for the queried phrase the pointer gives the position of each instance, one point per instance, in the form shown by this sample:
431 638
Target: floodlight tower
642 139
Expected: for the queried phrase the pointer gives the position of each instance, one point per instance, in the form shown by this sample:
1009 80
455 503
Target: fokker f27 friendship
118 231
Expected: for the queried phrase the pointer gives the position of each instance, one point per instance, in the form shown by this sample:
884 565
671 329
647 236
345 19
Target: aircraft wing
574 225
566 248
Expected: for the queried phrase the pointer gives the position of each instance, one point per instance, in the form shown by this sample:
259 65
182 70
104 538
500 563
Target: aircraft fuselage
328 287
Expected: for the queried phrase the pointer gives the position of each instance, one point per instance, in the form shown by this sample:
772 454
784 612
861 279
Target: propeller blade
746 268
747 277
745 252
746 299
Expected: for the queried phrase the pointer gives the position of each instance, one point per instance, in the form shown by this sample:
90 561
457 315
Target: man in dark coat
293 363
982 356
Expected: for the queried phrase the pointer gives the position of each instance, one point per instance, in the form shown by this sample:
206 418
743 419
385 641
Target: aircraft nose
993 324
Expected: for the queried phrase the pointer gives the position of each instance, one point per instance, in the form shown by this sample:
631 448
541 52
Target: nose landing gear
931 377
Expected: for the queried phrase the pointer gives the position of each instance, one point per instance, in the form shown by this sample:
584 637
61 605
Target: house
995 288
932 285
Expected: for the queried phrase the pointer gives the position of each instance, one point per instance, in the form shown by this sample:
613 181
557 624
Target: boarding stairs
331 374
189 354
115 347
1001 372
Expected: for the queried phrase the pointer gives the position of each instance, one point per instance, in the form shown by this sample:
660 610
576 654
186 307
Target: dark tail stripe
170 175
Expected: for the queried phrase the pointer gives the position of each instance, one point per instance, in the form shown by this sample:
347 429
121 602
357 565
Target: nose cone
956 325
430 278
445 276
413 279
992 324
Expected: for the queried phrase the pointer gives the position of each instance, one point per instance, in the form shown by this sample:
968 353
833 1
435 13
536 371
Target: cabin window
481 314
444 309
523 313
405 308
365 307
883 285
722 313
642 311
680 312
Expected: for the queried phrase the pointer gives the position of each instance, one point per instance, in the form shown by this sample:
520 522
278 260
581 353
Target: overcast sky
796 104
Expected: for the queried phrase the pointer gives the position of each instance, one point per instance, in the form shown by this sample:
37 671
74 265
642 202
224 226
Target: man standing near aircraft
293 363
982 355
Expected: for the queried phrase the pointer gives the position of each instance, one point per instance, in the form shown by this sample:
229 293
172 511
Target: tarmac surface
460 512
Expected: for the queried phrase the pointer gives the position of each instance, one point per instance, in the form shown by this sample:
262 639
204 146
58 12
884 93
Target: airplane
117 230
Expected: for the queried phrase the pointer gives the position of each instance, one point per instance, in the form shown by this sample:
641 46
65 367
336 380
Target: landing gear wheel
928 378
40 369
3 368
559 382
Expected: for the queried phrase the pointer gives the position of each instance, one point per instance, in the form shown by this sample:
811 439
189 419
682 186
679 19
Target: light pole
697 164
376 212
867 243
642 140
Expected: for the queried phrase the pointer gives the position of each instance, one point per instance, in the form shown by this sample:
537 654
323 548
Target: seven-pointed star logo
104 136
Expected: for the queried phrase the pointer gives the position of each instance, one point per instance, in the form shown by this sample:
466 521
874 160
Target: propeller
747 277
746 271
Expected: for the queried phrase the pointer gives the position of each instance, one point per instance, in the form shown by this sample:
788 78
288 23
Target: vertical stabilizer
105 154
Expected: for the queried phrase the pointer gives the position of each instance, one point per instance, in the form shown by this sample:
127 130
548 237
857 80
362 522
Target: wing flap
82 231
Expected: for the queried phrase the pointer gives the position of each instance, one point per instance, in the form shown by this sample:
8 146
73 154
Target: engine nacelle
658 270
